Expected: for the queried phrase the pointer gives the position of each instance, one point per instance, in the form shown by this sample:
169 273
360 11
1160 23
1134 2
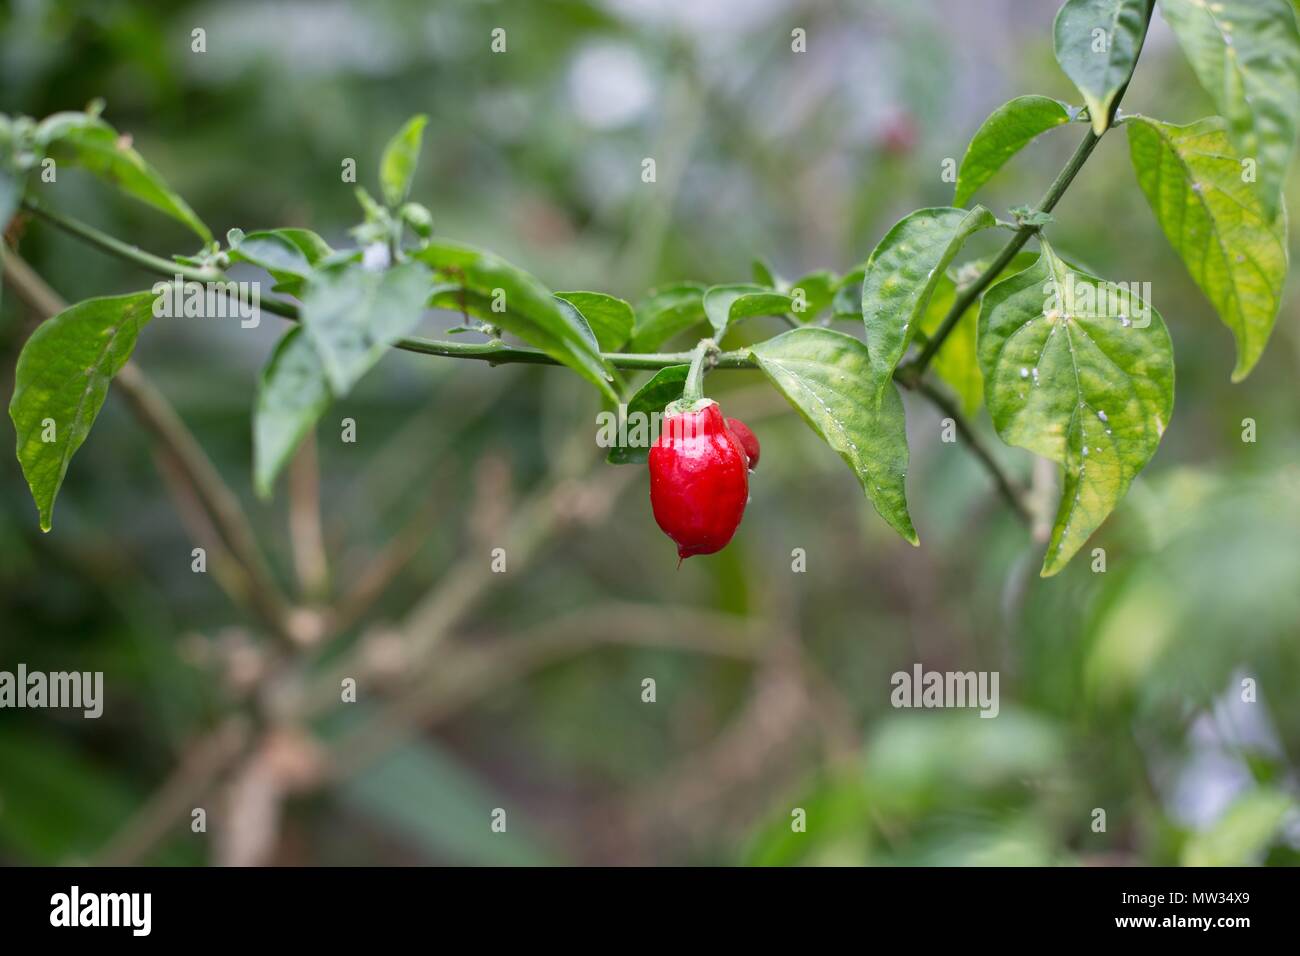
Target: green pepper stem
694 388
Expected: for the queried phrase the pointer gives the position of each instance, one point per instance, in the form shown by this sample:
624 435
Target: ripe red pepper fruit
699 478
748 440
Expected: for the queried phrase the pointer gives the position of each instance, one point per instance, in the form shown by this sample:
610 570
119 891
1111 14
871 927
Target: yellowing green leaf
1087 386
1246 53
956 363
1216 222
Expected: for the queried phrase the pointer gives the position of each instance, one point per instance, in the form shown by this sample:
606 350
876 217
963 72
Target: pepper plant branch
499 353
116 247
494 353
971 293
1008 488
1055 191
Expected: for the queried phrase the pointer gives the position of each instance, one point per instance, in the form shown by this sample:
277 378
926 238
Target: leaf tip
1243 369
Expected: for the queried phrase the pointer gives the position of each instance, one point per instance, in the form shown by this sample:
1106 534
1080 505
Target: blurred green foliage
1121 690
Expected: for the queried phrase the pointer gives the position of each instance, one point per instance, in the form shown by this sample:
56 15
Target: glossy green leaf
664 386
1009 129
901 275
665 313
725 304
1088 387
825 375
1233 249
1097 45
61 381
84 140
292 395
352 315
610 319
530 310
1246 53
401 156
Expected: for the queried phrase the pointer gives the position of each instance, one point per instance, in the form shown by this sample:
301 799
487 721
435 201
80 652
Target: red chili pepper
699 478
748 440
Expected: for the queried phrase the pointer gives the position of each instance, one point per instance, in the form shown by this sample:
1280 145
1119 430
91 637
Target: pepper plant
1070 367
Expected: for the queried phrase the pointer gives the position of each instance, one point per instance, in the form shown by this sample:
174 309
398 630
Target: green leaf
609 318
292 395
725 304
957 363
902 273
1217 223
289 255
1246 53
816 290
825 374
84 140
764 274
352 315
61 382
1242 835
847 300
401 156
1097 45
665 313
531 312
1089 390
1009 129
666 385
272 252
312 246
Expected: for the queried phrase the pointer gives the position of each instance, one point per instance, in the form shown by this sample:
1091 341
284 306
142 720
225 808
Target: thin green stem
495 353
693 390
1008 488
123 250
972 292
